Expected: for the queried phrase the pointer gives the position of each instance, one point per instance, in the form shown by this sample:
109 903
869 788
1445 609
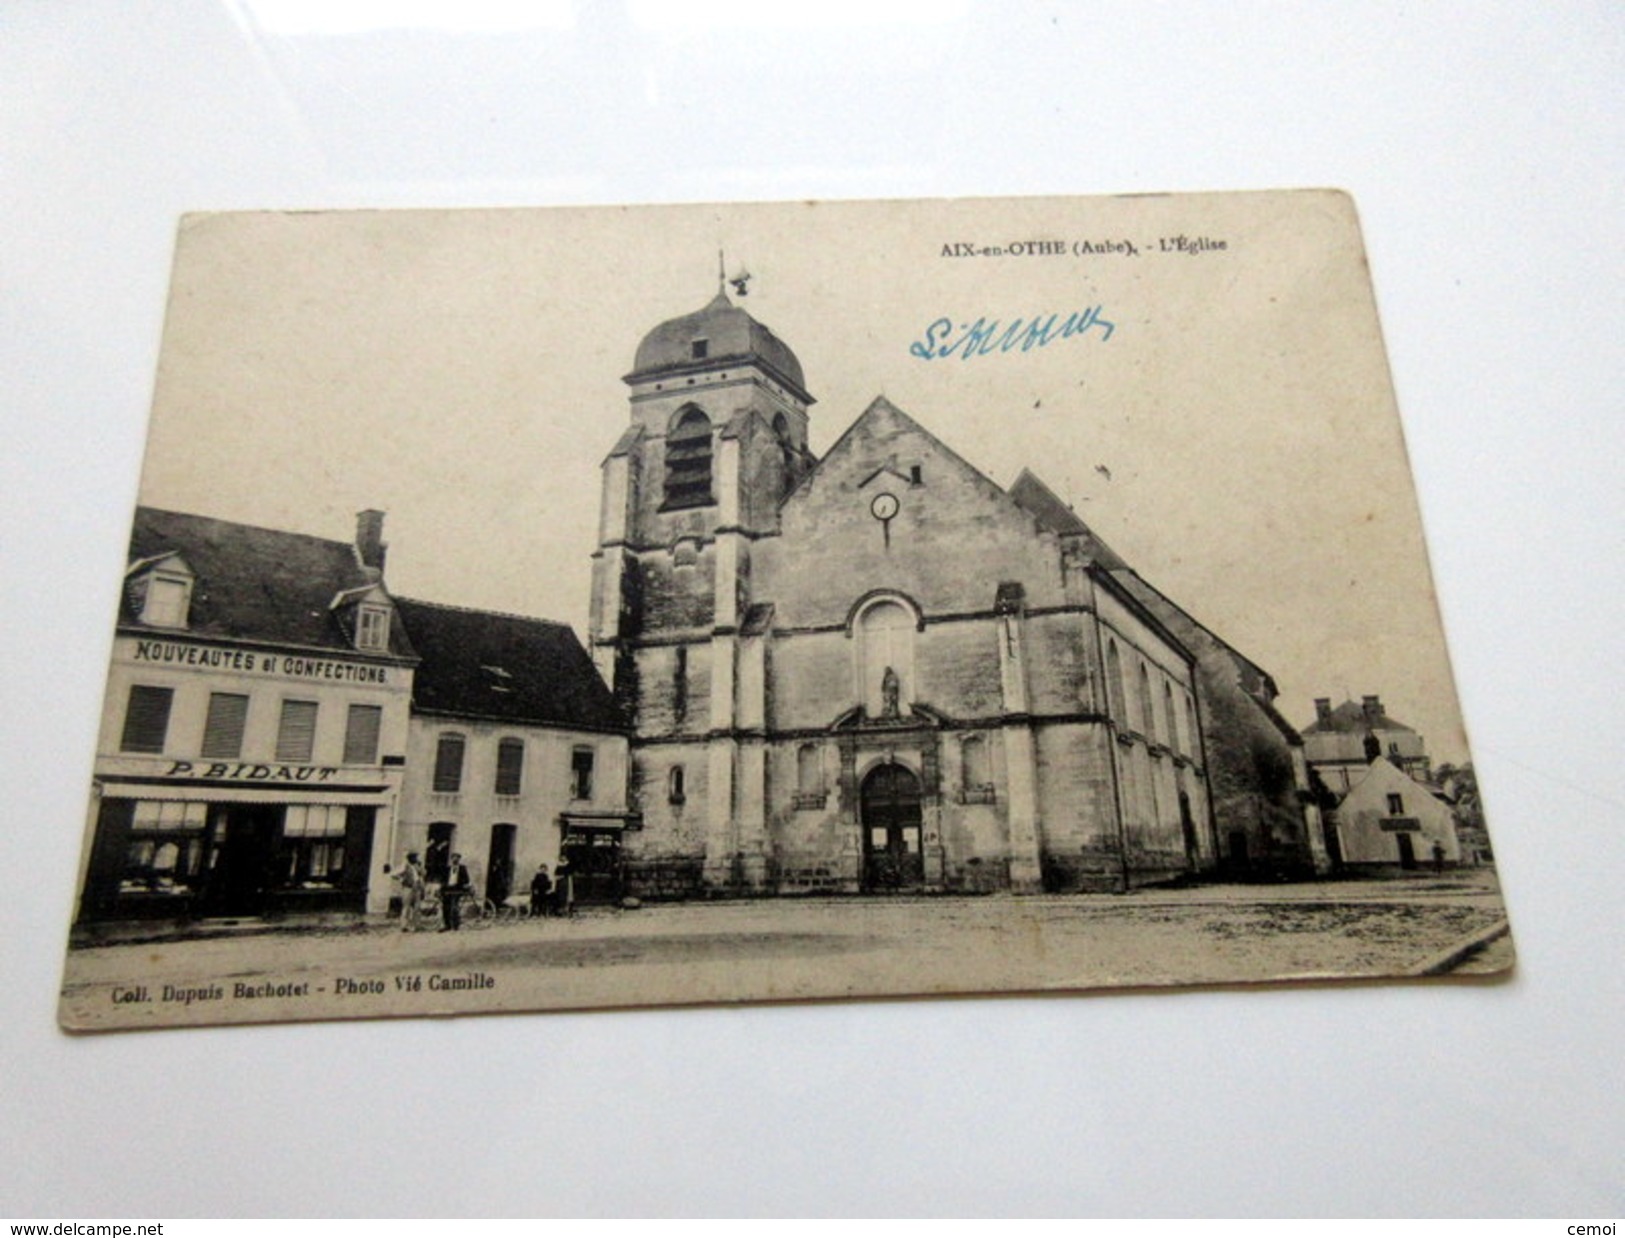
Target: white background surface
1484 147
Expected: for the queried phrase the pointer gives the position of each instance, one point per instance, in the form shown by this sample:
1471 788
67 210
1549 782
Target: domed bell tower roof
720 334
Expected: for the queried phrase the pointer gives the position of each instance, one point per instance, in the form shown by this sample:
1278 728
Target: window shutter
448 764
361 735
510 767
146 720
296 737
223 729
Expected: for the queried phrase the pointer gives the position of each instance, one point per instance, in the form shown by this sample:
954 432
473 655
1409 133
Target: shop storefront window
313 838
165 853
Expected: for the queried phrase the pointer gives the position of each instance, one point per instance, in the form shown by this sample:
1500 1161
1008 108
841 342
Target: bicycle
475 912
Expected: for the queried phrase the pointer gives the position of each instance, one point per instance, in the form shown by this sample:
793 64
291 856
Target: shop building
1388 819
516 754
255 725
878 670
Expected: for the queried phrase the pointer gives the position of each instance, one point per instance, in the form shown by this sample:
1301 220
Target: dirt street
796 949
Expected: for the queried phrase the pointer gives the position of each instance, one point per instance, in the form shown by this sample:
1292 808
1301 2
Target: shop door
594 865
891 818
1407 851
242 855
437 852
499 863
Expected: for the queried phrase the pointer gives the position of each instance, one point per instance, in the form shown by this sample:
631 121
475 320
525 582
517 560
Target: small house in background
1388 818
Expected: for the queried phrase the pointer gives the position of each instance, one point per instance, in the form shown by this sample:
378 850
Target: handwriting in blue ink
982 337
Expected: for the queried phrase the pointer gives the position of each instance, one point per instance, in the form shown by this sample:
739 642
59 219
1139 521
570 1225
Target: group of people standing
552 893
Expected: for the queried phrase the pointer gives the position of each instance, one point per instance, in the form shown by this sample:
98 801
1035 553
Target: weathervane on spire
738 281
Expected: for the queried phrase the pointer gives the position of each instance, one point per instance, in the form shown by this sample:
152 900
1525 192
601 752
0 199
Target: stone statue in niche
890 688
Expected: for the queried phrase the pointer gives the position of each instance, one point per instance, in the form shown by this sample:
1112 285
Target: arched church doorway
890 813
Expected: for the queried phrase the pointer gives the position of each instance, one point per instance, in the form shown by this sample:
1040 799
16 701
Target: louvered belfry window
688 460
296 736
146 719
223 728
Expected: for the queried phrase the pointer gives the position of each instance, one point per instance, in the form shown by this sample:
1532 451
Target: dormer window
161 591
168 599
699 349
372 627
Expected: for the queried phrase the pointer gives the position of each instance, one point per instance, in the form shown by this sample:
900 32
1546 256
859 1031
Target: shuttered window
688 460
296 736
448 764
223 728
581 774
510 766
361 735
146 719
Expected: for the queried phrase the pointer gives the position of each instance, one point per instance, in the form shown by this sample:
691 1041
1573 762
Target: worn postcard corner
570 608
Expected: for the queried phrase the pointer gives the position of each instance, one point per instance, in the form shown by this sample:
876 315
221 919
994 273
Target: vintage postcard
573 608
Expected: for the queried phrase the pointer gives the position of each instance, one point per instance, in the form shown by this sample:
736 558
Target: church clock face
883 506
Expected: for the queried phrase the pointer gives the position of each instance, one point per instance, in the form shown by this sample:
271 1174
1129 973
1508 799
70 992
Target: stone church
878 670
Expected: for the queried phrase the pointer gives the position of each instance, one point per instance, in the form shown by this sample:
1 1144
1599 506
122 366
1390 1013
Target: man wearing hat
458 883
411 879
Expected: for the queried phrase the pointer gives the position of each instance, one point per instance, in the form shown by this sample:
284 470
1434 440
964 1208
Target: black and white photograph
869 609
577 608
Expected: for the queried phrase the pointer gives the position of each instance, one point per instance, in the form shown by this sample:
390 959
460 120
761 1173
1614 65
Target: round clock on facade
883 506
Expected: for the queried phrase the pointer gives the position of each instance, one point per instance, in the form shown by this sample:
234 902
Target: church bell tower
717 440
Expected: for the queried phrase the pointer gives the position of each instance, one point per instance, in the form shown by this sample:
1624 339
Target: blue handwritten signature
984 336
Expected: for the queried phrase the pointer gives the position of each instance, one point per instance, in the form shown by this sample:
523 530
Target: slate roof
506 668
730 334
254 584
1046 507
1349 718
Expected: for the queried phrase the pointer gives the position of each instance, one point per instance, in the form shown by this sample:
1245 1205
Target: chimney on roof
369 538
1371 707
1323 709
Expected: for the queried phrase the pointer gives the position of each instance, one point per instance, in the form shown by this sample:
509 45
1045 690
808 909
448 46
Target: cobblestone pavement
790 949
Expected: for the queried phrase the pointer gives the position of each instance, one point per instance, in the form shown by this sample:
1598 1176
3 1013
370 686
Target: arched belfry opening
688 459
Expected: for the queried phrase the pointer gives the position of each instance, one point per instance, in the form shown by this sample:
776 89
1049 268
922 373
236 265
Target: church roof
507 668
255 584
1046 507
730 335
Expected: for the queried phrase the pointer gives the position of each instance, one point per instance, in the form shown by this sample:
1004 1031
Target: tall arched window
885 633
1148 711
688 459
1114 687
1173 718
781 432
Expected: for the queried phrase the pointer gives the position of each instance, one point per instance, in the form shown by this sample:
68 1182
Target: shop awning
600 822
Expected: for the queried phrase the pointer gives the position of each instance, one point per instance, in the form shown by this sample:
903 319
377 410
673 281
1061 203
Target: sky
1233 436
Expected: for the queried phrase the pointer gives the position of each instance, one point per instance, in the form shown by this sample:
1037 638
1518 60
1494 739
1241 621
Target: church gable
891 507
